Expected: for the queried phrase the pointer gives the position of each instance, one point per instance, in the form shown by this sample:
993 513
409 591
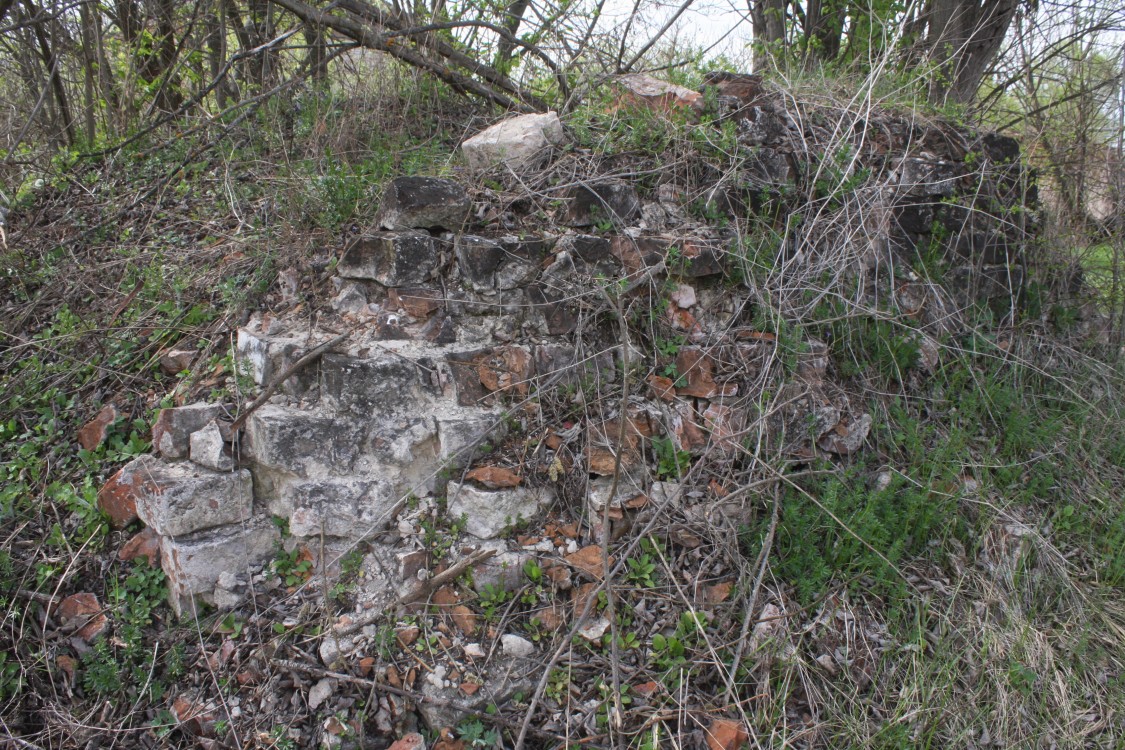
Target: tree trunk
51 63
768 20
90 65
964 38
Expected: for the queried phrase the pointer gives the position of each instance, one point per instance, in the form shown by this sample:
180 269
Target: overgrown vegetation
956 583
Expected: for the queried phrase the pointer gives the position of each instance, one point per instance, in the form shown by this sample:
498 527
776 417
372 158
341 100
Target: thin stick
289 371
450 574
752 605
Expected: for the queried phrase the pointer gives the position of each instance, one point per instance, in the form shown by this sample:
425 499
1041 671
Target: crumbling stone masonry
457 326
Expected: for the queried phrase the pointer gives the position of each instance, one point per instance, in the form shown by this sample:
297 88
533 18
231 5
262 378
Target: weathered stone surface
181 498
264 357
194 563
417 302
746 87
698 258
560 364
639 253
462 432
175 361
697 368
230 590
448 705
516 645
118 496
83 614
504 569
845 439
521 261
209 450
307 444
627 489
478 259
93 433
726 734
350 298
518 143
488 513
559 317
922 177
345 507
655 94
171 434
372 387
405 258
498 370
423 203
767 168
612 201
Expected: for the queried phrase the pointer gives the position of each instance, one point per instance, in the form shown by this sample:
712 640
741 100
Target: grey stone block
479 259
613 201
393 259
182 498
210 450
308 444
194 563
171 433
263 358
461 432
345 508
488 513
372 387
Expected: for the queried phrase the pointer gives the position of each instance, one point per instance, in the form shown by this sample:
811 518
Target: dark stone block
615 201
915 218
391 258
1000 149
639 253
768 167
423 203
479 258
697 259
561 318
368 387
745 87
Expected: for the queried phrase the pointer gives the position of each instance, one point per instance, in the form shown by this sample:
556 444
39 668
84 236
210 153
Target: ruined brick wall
469 316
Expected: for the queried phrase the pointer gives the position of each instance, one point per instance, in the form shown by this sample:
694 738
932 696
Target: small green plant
670 652
350 568
231 626
281 740
11 677
291 567
671 346
474 734
558 686
641 571
671 462
492 598
533 570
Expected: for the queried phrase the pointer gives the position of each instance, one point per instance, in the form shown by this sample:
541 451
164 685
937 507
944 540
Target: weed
293 567
641 571
474 734
671 462
492 598
11 677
